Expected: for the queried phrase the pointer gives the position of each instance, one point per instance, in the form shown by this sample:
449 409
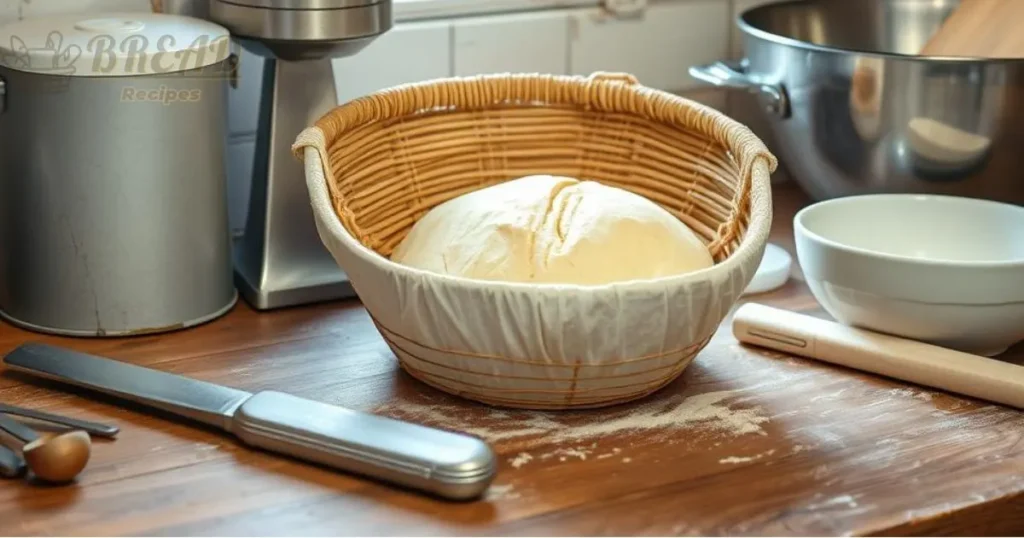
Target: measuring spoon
11 464
93 428
52 458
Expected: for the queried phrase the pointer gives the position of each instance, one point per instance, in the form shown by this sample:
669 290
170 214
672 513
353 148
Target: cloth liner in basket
378 163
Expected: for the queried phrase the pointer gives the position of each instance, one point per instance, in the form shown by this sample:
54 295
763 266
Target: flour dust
575 436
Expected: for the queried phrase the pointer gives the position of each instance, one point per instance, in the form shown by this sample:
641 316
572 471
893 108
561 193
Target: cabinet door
523 43
411 10
25 9
658 45
410 52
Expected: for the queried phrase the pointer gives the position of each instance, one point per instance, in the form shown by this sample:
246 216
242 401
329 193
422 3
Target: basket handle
604 76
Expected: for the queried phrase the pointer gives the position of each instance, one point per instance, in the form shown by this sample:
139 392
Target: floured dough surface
548 229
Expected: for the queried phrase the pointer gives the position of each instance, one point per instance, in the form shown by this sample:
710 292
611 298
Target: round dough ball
547 229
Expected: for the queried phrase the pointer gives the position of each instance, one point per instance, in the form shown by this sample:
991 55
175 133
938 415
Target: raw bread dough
547 229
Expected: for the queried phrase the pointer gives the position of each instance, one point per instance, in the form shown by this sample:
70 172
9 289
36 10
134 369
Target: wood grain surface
746 443
980 29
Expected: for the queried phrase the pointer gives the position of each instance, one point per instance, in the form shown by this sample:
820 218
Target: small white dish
940 269
772 273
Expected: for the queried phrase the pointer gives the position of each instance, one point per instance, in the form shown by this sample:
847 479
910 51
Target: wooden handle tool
908 360
981 29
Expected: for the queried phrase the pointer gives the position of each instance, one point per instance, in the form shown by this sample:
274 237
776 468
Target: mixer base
328 285
280 260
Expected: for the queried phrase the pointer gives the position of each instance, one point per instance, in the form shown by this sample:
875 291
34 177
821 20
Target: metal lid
305 4
112 44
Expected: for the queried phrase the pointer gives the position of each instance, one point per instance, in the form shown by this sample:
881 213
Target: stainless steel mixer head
295 30
199 9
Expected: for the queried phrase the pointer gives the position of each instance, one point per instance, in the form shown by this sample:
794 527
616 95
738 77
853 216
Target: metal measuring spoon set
55 458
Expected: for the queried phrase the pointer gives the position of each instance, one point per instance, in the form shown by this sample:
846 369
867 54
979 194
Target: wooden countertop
745 442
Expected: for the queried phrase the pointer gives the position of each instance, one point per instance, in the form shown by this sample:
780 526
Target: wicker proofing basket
377 164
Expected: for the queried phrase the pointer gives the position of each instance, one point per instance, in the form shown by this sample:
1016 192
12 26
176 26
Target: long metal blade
198 400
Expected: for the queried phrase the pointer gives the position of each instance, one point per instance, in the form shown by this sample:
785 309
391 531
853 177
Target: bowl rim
748 27
754 240
800 228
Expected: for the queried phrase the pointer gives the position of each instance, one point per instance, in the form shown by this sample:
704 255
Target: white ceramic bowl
940 269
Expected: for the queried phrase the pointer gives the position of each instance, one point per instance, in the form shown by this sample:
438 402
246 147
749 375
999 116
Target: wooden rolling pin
981 29
898 358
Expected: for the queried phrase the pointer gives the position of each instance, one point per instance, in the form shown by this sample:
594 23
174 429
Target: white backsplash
574 41
15 9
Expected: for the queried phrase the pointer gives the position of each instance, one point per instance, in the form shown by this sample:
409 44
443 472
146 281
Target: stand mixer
280 260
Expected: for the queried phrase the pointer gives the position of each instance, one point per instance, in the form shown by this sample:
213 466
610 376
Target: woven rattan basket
377 164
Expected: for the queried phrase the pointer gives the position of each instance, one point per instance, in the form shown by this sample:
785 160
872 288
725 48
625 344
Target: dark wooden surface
833 451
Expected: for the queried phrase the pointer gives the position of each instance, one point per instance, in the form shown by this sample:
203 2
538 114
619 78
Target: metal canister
113 204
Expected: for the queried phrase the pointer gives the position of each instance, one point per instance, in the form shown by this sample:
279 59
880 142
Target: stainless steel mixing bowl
853 110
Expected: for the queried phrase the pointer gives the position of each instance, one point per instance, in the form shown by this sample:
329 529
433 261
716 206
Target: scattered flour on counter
561 454
842 500
829 397
501 493
521 459
564 454
911 393
700 412
693 412
747 459
606 455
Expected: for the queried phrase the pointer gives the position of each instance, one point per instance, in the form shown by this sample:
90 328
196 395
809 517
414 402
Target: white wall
657 47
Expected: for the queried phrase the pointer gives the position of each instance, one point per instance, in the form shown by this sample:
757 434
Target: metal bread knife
449 465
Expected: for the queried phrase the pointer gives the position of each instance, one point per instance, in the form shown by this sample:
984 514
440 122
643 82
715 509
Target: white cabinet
410 52
524 43
410 10
658 46
15 9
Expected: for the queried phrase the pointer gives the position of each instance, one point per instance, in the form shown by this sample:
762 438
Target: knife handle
449 465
